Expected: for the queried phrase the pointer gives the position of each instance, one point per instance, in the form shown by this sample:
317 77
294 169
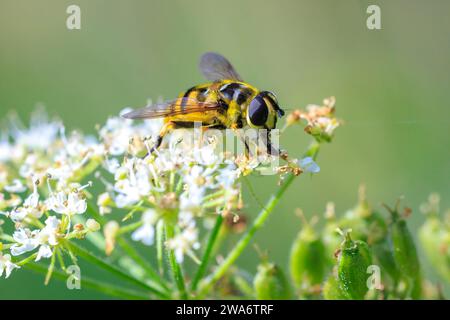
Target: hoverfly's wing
215 67
175 107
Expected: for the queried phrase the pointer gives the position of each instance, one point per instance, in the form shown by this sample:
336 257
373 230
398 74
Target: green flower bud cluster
375 257
364 254
434 236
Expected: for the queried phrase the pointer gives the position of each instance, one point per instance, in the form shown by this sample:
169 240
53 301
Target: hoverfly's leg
244 139
265 137
203 129
271 149
247 151
169 126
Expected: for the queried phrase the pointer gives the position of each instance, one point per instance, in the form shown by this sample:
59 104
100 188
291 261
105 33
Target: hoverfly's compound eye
273 100
258 111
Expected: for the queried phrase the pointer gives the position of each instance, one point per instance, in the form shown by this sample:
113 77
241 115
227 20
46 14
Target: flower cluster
182 186
40 192
320 120
182 182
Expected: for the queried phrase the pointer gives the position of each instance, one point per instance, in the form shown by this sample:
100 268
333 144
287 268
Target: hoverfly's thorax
237 92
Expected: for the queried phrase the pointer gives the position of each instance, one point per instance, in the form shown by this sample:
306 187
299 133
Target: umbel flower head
40 170
320 120
47 202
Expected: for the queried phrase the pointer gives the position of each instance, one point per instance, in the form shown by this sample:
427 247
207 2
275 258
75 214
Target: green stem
312 151
213 195
132 252
206 256
91 258
102 287
27 260
160 246
6 237
245 240
129 215
51 268
179 185
174 266
129 228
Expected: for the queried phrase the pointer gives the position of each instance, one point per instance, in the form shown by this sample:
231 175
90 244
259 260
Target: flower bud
92 225
353 260
308 258
270 283
434 237
384 256
332 289
405 255
78 227
366 225
331 238
104 202
110 231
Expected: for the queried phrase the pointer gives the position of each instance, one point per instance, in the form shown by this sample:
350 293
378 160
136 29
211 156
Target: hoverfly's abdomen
198 93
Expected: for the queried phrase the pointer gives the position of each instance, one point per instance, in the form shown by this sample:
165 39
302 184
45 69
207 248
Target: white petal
44 252
145 234
32 200
9 268
179 255
16 187
309 165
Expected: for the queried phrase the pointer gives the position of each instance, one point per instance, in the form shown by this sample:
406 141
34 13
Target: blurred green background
391 87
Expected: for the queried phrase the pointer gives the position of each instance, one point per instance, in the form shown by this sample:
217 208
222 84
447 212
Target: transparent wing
174 107
216 67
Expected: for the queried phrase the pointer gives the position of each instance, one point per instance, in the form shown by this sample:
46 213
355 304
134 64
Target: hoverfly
225 102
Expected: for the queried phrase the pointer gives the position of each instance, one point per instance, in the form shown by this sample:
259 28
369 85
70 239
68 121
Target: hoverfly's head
263 111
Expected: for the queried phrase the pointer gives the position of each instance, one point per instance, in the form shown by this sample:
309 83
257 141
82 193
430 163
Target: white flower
117 132
19 214
25 241
111 165
40 134
185 218
133 182
49 233
308 165
30 207
184 242
62 172
28 166
327 124
32 200
6 150
192 199
206 156
69 204
227 176
146 233
48 237
16 187
93 225
6 265
103 202
199 176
